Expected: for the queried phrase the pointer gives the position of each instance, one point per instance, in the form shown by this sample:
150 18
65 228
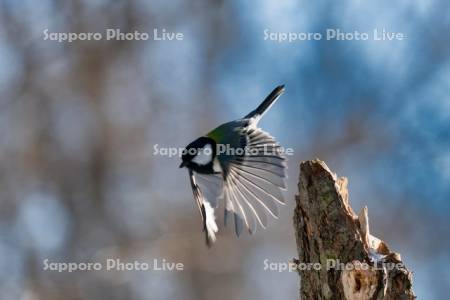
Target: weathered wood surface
328 231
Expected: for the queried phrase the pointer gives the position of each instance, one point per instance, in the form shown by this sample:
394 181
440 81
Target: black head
199 155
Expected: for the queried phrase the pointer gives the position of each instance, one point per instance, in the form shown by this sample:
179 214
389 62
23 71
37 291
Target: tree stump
352 263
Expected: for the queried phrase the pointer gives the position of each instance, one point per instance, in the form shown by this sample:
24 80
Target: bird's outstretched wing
254 181
207 191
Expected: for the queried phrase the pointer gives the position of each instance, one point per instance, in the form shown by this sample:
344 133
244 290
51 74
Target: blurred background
79 121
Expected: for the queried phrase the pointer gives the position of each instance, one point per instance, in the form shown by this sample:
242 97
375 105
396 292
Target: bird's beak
183 164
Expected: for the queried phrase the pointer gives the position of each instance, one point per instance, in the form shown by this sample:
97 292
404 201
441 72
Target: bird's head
199 155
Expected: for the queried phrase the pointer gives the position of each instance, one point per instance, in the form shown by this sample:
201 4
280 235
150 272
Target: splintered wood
355 264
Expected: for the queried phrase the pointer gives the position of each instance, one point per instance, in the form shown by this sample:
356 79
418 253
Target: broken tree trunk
338 257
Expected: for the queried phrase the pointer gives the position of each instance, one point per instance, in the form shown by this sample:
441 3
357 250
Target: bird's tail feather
267 103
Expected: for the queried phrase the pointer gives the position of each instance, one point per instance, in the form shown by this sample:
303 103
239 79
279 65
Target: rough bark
338 257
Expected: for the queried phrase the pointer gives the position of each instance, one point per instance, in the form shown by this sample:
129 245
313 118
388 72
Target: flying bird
240 165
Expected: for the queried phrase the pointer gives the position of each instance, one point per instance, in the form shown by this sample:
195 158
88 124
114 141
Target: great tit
241 164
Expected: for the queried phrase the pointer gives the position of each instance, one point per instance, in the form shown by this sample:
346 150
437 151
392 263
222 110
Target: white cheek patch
204 155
